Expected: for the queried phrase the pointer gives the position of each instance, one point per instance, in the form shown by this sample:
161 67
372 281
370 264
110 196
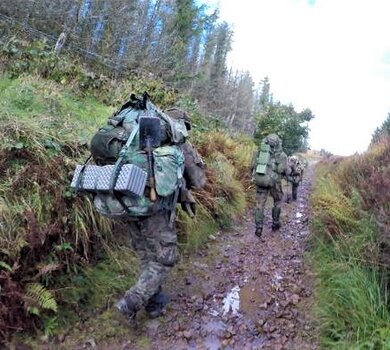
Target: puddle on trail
254 297
232 301
298 215
212 342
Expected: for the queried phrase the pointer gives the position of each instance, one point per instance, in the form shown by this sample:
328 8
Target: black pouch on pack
107 143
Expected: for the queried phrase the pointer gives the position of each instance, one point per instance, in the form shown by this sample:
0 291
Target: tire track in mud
243 292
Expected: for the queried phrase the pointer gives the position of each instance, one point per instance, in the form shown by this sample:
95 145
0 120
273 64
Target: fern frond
43 297
5 266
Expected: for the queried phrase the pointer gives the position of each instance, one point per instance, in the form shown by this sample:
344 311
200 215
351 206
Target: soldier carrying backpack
294 178
268 166
141 173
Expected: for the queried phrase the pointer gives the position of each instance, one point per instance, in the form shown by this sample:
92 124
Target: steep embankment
60 262
351 225
238 292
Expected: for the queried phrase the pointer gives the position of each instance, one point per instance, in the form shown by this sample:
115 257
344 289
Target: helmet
177 113
273 140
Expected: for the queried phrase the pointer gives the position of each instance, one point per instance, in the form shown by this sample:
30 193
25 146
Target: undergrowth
60 262
349 201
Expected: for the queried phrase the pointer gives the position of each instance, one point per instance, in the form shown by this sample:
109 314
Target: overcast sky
332 56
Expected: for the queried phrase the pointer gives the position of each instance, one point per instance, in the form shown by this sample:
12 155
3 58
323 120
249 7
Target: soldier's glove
188 203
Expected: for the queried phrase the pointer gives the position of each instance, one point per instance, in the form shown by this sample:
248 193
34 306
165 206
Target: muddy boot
127 308
275 218
259 217
155 306
258 231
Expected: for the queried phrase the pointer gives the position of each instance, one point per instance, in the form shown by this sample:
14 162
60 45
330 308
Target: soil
239 292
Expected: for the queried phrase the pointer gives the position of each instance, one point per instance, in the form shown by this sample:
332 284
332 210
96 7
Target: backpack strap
118 163
80 177
175 198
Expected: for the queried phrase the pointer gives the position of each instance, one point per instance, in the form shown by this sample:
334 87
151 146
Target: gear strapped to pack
269 162
263 158
127 172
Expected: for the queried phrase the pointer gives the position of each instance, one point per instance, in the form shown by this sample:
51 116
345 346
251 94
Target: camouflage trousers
294 182
156 246
294 190
276 193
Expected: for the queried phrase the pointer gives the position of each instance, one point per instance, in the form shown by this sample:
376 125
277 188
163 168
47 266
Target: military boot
259 217
127 308
275 218
154 307
258 231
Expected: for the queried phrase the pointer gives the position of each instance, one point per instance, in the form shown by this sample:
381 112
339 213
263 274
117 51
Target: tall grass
351 283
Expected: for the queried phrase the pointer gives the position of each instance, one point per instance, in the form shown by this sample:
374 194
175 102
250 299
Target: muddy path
241 292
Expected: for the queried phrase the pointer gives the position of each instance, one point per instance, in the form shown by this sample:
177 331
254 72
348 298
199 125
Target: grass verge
351 282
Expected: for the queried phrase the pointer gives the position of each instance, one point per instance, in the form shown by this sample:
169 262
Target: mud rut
242 292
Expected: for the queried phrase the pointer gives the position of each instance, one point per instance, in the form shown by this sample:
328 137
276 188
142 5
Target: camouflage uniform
276 168
155 241
295 175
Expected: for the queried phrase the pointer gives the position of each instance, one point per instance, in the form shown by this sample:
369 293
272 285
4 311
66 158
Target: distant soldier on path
295 176
268 166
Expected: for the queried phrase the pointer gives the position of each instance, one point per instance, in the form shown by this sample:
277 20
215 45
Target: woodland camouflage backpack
296 168
295 165
194 170
123 185
270 162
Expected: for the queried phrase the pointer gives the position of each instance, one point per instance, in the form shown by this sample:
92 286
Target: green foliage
52 239
324 153
5 266
382 131
50 325
200 122
44 232
38 59
351 284
40 296
275 117
284 121
56 107
228 190
94 287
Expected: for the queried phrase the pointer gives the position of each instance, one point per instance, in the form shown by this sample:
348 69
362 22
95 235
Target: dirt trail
243 292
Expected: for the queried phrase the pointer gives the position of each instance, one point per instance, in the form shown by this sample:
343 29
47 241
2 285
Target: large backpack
269 165
116 145
296 167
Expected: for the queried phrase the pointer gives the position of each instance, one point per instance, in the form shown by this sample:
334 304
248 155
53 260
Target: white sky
332 56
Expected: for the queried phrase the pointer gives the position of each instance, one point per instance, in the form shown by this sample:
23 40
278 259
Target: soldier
268 166
154 238
295 176
146 149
